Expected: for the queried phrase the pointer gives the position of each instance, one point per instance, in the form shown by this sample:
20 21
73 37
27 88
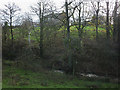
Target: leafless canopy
9 11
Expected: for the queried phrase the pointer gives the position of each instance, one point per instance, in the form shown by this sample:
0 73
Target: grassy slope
89 32
49 79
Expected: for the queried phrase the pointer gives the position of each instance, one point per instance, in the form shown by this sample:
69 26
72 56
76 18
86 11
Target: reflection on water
88 75
81 74
59 71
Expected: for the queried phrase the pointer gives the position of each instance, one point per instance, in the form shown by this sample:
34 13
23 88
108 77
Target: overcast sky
25 4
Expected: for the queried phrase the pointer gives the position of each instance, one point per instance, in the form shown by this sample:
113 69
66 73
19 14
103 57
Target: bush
96 57
9 52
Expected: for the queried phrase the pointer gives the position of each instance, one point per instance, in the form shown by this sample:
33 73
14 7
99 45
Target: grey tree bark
68 36
8 15
107 22
119 33
4 32
41 10
115 22
41 29
97 12
11 27
70 61
118 29
79 28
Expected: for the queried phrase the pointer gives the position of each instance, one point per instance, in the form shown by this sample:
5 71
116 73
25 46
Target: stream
90 75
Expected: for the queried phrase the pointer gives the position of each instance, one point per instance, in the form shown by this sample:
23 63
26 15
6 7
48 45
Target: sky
25 4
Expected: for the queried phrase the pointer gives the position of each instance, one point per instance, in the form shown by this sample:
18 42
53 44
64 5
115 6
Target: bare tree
96 15
39 11
115 20
5 32
8 14
62 19
69 16
70 64
68 35
27 25
119 30
107 22
81 19
43 8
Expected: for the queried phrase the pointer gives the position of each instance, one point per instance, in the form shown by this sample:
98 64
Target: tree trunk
12 38
68 28
29 40
68 38
41 38
5 30
107 22
79 29
119 31
41 30
97 12
115 22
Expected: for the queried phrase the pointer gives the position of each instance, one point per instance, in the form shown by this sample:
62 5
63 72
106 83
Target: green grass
28 79
0 85
88 32
49 79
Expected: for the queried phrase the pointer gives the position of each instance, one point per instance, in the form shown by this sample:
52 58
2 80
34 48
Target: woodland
76 46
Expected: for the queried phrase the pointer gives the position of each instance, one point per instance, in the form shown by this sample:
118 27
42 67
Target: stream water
81 74
90 75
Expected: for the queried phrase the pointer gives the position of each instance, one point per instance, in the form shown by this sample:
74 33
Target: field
19 77
88 31
72 46
14 77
